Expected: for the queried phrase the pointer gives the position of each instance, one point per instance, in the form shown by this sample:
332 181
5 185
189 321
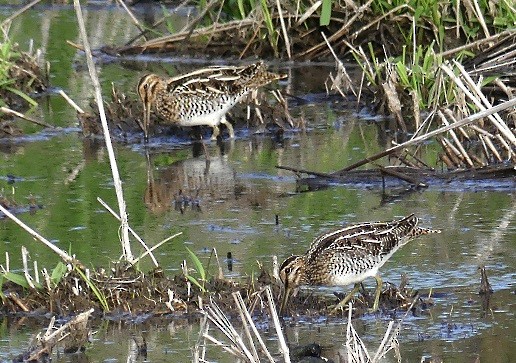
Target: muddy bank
128 294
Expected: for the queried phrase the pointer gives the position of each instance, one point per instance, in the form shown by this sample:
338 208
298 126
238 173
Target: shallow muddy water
239 202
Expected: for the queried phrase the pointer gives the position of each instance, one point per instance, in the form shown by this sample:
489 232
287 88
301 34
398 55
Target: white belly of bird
349 278
208 119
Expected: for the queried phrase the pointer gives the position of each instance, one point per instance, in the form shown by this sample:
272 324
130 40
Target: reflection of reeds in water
248 345
186 182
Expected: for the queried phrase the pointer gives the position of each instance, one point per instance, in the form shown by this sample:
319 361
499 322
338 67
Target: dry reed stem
342 75
308 13
25 263
480 17
17 13
494 118
215 28
8 111
377 20
339 33
286 38
126 247
131 15
238 347
355 349
64 256
198 355
281 338
189 28
220 320
476 43
71 102
456 140
248 323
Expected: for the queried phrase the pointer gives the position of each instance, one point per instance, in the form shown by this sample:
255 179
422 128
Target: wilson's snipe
349 255
202 97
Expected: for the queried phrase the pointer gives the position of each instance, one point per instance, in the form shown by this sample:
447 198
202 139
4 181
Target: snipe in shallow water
348 256
202 97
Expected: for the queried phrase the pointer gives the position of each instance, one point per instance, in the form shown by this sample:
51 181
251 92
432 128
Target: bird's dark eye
145 86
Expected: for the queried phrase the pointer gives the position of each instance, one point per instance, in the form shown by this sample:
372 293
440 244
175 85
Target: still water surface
236 198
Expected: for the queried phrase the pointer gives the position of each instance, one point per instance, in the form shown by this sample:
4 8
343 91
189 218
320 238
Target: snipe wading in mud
202 97
349 255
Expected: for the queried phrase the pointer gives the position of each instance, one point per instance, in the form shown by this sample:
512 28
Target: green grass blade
22 95
58 272
18 279
100 296
198 264
241 8
194 281
325 13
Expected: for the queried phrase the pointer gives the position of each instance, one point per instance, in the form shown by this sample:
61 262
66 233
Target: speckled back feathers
348 255
189 98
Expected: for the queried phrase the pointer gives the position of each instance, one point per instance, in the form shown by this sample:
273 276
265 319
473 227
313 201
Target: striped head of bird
292 274
147 89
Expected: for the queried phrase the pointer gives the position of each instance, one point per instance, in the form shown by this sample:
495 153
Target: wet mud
133 295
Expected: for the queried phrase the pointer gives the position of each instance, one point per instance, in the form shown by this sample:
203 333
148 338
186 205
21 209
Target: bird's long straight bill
146 119
284 299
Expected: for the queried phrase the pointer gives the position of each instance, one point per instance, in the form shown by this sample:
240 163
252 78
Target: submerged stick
126 247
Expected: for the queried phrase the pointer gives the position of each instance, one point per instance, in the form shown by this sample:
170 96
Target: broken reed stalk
126 247
355 348
465 121
64 256
221 321
247 323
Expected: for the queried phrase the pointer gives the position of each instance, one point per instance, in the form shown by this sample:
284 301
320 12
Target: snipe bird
202 97
348 256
